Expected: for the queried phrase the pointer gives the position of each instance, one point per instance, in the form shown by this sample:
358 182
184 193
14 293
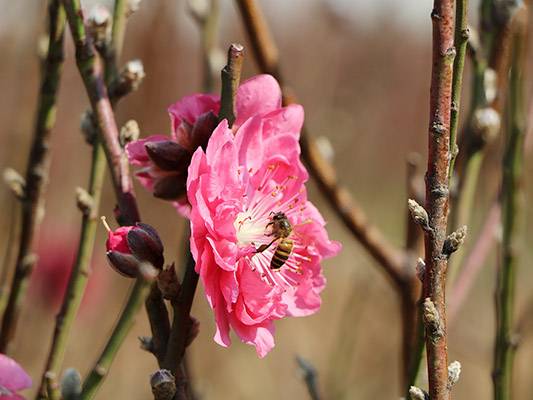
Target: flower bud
202 130
99 25
163 385
71 385
15 182
129 132
129 246
171 187
454 371
133 74
168 155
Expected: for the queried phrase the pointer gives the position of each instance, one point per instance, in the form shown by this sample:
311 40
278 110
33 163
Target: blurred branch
437 194
127 318
266 55
80 272
474 261
505 343
392 260
36 172
310 377
207 20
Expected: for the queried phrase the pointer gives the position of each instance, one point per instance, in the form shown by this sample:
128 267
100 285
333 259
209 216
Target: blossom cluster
257 241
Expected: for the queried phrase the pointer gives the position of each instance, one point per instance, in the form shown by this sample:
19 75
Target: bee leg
263 247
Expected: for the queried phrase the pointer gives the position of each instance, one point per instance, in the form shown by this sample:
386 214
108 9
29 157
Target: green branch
36 173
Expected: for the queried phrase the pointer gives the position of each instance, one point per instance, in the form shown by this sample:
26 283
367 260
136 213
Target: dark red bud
171 187
125 264
202 130
145 245
168 155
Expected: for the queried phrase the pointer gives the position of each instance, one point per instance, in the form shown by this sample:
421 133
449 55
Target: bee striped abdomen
282 253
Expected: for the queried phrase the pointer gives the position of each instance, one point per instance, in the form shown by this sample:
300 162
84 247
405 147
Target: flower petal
257 96
12 376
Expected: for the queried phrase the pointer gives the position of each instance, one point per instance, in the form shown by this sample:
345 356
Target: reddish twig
437 195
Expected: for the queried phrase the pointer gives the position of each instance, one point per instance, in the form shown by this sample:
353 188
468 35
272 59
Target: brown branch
437 195
266 55
36 173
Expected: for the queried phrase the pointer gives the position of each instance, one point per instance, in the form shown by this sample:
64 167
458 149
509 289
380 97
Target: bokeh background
361 68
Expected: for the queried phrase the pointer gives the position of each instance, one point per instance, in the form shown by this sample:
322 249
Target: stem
36 173
77 281
437 194
505 343
80 272
91 72
460 42
310 377
231 76
181 325
124 324
159 323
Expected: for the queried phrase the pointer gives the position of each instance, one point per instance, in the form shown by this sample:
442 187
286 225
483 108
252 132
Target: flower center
249 231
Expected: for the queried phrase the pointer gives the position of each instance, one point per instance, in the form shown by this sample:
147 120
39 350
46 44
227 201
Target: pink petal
261 335
257 96
189 108
286 120
12 376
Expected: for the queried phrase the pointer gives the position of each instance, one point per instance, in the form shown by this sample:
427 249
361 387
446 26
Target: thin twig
310 377
181 326
231 76
127 318
505 342
460 42
474 261
36 173
437 194
80 272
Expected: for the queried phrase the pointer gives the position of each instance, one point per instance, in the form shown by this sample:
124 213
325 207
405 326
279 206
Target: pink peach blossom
234 187
162 160
13 379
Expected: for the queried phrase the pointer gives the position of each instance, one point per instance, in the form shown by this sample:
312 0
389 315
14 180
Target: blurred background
361 68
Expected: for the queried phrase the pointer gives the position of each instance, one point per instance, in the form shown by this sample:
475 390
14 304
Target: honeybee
281 228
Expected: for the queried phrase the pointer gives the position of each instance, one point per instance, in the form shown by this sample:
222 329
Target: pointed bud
454 372
71 385
486 123
133 74
432 320
171 187
454 241
420 269
129 246
163 385
147 343
129 132
15 182
99 24
168 283
168 155
419 214
84 201
132 7
417 394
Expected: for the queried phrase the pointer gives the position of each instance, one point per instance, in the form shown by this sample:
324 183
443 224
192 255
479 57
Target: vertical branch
89 205
231 76
460 42
127 318
437 198
505 342
37 172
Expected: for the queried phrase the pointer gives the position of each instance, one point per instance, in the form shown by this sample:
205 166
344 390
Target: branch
127 318
230 76
81 271
266 55
36 172
460 42
505 342
310 377
437 194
